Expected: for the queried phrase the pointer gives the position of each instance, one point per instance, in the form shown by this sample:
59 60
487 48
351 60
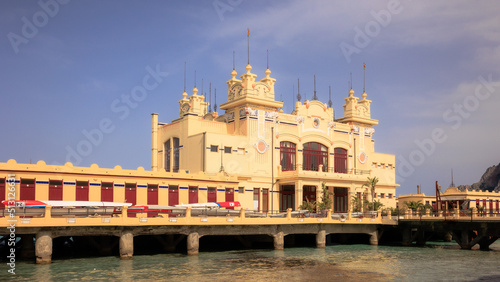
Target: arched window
168 150
175 166
340 160
315 154
172 152
287 156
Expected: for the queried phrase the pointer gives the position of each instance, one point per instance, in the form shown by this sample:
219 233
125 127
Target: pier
466 227
170 230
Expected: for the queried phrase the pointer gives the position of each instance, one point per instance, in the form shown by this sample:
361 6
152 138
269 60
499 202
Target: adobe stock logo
453 116
363 38
30 28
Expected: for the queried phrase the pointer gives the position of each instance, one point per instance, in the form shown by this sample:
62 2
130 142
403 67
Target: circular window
316 122
261 146
362 157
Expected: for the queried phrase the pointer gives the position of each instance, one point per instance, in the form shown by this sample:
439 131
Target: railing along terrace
453 214
320 168
129 215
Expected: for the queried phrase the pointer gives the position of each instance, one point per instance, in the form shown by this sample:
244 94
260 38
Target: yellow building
452 198
254 153
279 159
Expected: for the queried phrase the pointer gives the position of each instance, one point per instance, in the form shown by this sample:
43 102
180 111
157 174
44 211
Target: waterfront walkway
47 227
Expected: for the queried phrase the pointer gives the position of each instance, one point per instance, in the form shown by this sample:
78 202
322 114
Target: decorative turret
357 112
194 104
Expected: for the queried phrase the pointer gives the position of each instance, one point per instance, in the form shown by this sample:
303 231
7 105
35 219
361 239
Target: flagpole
248 44
364 68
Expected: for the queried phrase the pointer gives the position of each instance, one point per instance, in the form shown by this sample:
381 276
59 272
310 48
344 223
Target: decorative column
43 248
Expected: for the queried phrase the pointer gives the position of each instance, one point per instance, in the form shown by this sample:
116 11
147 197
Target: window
107 192
214 148
382 195
27 189
315 154
340 160
167 155
227 150
390 196
287 156
82 190
241 190
130 193
173 195
152 194
55 190
211 195
175 167
241 151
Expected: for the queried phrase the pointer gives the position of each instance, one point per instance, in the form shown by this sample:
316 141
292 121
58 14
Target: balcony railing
299 167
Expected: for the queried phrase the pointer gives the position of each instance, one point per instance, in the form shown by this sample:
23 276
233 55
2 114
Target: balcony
297 170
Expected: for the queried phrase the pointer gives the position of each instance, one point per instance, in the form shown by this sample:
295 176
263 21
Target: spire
184 76
298 90
452 184
248 45
233 61
210 93
215 104
293 95
364 68
330 96
314 96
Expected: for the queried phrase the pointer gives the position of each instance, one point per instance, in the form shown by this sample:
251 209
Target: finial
248 68
330 96
298 90
314 96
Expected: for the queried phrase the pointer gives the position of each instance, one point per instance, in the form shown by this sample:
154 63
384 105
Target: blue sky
432 74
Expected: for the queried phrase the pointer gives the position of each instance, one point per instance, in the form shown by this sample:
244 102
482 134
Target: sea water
434 262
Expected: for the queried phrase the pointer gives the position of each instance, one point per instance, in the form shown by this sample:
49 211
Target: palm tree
371 182
414 205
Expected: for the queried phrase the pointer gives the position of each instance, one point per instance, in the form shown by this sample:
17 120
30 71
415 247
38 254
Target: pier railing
468 214
48 216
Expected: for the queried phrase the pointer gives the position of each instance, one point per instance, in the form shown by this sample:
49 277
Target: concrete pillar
407 241
374 238
465 243
126 245
43 247
288 213
279 241
193 244
321 239
242 213
389 215
448 237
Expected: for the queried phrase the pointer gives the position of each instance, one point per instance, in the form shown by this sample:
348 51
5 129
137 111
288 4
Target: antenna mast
364 68
233 60
215 104
314 96
298 90
184 76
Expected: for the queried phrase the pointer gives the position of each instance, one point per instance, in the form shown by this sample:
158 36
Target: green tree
414 205
326 200
371 182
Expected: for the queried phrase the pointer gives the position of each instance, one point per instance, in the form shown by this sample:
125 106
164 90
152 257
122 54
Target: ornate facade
279 159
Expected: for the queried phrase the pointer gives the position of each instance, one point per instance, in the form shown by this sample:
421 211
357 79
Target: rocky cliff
490 181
